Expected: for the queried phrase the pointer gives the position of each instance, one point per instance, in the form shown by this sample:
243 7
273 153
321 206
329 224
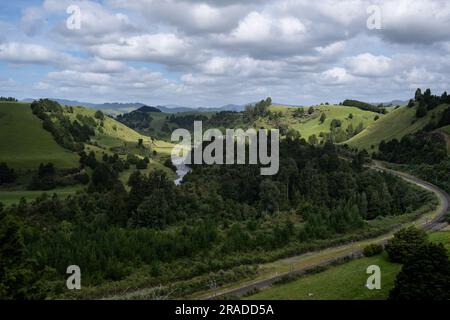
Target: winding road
329 256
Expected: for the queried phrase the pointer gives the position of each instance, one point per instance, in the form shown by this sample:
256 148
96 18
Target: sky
209 53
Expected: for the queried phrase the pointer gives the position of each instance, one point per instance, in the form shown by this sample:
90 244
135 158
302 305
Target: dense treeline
430 148
363 106
229 212
47 177
139 119
8 99
438 174
427 101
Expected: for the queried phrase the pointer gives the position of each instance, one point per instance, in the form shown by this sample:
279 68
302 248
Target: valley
323 207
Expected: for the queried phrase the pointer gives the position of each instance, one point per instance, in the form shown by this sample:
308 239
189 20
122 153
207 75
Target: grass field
396 124
343 282
311 125
24 144
13 197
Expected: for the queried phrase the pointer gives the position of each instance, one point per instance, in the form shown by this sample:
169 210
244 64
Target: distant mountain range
391 103
118 108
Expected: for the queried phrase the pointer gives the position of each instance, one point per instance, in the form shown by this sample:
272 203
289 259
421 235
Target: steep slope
24 144
396 124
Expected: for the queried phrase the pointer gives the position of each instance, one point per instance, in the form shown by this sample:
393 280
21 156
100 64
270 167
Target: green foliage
231 212
424 276
103 178
260 109
404 243
362 105
269 196
430 148
395 125
141 164
19 278
372 250
44 179
421 111
7 175
8 99
99 115
68 134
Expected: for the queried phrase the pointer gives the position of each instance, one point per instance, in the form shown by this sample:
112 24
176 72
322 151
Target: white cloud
336 76
220 51
26 53
162 47
369 65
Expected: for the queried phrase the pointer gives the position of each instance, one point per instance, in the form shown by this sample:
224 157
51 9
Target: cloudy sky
215 52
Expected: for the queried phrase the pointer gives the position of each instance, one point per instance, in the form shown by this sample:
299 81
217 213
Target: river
181 168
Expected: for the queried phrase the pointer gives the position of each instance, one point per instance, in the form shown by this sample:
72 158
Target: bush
425 276
404 243
99 115
7 175
373 250
44 179
141 165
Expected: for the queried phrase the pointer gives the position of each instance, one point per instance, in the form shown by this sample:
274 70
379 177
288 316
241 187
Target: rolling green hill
113 134
312 125
396 124
24 144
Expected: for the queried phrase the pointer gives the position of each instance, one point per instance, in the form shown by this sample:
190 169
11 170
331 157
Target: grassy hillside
312 125
279 116
396 124
343 282
24 144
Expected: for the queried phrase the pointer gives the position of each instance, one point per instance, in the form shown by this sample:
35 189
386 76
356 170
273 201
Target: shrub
7 175
404 243
372 250
425 276
99 115
141 165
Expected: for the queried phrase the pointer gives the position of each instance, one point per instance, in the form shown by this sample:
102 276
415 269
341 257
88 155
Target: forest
220 218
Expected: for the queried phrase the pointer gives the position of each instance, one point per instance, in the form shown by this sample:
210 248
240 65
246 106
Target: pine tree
19 279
